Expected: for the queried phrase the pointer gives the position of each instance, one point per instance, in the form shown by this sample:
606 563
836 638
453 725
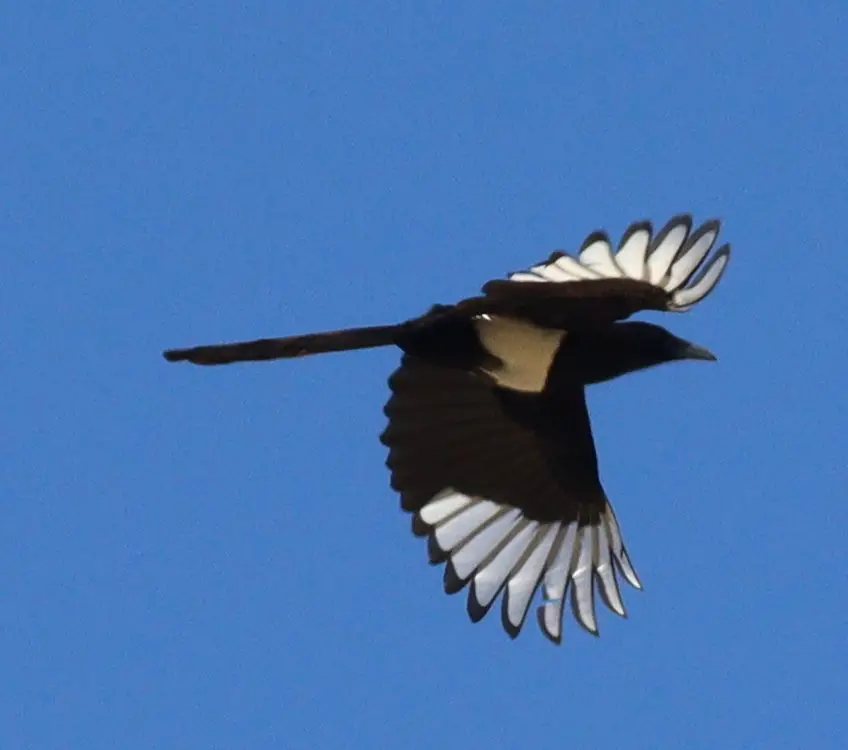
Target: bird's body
489 438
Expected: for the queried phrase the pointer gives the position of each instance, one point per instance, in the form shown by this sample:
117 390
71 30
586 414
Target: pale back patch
525 351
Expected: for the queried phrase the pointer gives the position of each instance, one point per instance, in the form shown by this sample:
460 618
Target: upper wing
670 270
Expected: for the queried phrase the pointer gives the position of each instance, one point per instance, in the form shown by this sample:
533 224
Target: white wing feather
675 259
495 549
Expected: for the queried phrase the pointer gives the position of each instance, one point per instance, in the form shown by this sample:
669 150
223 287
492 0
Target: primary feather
675 259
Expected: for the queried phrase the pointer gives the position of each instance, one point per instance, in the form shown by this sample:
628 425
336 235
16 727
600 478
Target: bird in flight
489 439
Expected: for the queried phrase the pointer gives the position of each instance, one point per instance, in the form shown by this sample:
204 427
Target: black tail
291 346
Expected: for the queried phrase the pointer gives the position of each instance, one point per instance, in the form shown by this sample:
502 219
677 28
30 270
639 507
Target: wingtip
684 218
540 619
453 584
512 631
476 610
435 554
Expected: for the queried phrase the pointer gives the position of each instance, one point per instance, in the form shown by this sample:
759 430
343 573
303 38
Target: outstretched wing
506 487
670 270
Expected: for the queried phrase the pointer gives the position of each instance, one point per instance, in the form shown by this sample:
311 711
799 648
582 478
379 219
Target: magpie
489 441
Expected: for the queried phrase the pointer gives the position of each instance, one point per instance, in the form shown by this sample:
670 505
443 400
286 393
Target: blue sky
213 558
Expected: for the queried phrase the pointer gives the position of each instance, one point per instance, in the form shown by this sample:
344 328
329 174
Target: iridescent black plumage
490 443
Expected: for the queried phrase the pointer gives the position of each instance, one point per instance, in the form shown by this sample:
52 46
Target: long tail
290 346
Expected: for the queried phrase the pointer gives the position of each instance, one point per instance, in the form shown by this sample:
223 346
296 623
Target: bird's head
603 354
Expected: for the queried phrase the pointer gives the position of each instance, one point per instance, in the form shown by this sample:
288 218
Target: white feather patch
555 585
489 581
699 245
606 572
522 585
662 256
461 526
632 252
616 546
499 550
471 555
703 285
443 505
667 259
582 592
597 256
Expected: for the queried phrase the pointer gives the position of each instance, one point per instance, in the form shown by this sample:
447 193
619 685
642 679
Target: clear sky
213 558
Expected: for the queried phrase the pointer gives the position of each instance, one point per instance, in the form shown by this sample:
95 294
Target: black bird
490 444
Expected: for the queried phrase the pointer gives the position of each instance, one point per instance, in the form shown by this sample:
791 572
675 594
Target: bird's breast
524 352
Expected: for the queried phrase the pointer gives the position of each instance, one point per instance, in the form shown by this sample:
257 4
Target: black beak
693 351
